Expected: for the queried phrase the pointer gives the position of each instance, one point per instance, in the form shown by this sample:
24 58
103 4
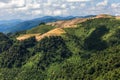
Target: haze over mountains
20 25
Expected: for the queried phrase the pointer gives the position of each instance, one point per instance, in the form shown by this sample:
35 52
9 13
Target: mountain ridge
21 25
71 23
89 51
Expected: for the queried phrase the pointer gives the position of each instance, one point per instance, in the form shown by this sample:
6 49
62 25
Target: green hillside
89 52
40 29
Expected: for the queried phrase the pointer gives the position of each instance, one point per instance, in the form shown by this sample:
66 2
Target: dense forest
89 52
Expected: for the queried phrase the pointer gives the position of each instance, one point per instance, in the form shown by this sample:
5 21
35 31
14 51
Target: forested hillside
90 51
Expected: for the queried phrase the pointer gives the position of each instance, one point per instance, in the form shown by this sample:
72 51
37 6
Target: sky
29 9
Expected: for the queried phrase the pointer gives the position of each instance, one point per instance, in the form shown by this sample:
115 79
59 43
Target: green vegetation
89 52
42 28
5 42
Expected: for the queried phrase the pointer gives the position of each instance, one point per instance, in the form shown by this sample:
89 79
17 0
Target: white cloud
63 6
57 12
35 8
115 5
104 3
12 4
36 12
5 1
47 4
77 0
82 5
65 12
47 12
55 5
72 7
117 14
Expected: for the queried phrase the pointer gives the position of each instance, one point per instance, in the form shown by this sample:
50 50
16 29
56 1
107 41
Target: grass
38 36
26 36
40 29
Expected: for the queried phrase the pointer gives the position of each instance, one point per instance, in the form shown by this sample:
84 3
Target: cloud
28 9
37 12
5 1
77 0
72 7
11 4
63 6
115 5
82 5
57 12
48 12
104 3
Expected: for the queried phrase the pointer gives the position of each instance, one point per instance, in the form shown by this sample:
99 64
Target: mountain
9 21
8 24
88 49
11 26
17 25
39 31
87 16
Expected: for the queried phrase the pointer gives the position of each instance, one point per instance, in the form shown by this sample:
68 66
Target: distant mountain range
20 25
5 26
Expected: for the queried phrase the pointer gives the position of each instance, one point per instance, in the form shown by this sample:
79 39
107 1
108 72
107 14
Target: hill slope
89 51
12 26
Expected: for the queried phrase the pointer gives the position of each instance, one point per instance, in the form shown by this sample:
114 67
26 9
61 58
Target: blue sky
29 9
